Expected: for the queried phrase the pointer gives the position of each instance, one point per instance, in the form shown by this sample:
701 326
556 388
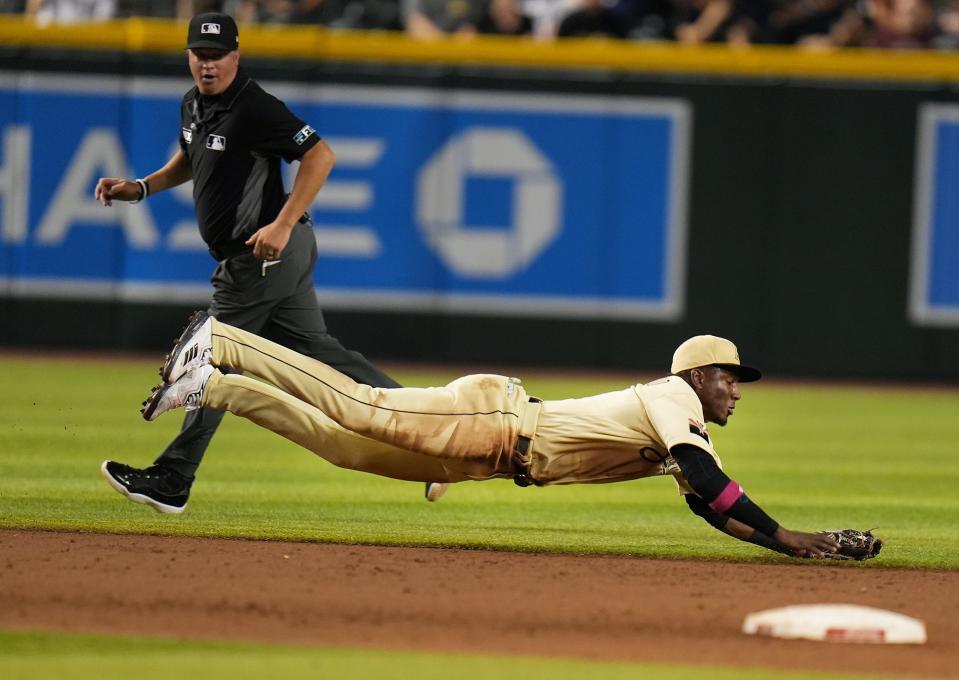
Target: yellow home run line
318 44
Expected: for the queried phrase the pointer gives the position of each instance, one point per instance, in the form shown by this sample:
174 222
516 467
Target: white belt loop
530 418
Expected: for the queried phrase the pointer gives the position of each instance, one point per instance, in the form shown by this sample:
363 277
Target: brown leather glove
854 544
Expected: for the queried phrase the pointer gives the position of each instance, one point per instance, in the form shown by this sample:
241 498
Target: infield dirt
589 607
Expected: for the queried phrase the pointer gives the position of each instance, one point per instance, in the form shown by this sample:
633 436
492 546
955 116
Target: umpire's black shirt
235 141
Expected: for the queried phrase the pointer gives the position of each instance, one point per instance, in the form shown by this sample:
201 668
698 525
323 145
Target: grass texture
814 456
27 656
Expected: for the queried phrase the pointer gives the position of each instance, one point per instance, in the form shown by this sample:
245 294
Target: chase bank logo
212 29
489 251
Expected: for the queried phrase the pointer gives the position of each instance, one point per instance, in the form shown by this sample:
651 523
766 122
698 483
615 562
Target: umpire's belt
523 447
225 252
230 249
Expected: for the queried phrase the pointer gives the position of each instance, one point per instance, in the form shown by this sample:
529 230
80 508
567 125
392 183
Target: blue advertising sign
448 201
934 277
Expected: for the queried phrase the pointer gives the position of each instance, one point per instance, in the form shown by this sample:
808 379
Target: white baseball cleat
186 392
193 348
435 491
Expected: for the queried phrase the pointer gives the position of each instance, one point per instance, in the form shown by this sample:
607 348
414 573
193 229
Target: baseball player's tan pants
466 430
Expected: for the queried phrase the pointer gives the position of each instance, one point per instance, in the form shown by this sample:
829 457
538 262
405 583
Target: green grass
27 656
814 456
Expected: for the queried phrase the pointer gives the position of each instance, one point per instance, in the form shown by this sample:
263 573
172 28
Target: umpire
232 137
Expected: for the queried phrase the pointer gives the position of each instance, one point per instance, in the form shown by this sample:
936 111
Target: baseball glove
854 544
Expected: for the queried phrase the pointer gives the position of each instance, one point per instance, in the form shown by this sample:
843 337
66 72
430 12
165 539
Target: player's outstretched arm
727 502
176 171
732 527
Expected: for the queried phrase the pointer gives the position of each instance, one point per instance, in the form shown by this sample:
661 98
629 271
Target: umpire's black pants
281 306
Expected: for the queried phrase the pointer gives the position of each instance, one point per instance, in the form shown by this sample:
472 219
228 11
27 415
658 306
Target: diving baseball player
486 426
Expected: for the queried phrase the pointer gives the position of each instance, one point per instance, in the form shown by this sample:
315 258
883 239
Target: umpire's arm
315 167
176 171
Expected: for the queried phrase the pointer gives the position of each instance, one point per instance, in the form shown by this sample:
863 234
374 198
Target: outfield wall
533 210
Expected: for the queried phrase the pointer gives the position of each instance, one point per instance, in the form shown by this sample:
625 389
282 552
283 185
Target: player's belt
524 442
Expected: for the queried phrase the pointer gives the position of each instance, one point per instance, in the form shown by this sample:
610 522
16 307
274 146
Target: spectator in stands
645 19
902 24
593 19
546 15
264 11
700 21
69 11
433 18
358 14
187 9
163 9
370 14
749 22
733 21
892 24
503 17
793 20
13 6
947 24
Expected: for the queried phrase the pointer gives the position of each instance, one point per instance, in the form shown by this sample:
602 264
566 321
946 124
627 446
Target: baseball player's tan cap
709 350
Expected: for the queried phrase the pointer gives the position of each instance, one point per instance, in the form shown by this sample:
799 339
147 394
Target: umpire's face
718 391
213 70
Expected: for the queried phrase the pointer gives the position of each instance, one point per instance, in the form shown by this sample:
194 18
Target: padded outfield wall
576 204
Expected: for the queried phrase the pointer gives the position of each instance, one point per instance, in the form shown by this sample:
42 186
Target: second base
836 623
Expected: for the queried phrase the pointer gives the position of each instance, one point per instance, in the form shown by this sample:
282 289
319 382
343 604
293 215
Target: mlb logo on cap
213 30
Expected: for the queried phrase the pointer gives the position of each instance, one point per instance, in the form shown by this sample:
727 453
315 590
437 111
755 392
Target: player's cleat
435 491
186 392
193 348
163 489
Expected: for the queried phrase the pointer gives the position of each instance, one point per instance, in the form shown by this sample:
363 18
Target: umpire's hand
110 188
269 241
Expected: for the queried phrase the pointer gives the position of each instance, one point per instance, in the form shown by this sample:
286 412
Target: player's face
718 392
213 70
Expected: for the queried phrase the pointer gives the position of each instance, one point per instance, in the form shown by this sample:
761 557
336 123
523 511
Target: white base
836 623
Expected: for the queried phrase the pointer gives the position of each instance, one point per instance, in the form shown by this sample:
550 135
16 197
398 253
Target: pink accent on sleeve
729 495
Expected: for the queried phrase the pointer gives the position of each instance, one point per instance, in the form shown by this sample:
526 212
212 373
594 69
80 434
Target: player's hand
110 188
268 242
806 545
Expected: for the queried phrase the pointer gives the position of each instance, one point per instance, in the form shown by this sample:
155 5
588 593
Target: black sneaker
161 488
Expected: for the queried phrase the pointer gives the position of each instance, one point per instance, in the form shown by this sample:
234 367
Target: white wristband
144 190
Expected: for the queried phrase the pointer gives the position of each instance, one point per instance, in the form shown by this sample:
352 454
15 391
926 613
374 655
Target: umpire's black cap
213 30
